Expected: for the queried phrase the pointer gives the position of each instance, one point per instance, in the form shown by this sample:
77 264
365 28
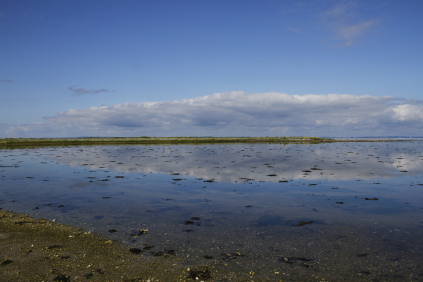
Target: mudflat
40 250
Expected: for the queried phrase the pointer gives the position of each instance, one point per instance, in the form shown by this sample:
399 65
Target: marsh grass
13 142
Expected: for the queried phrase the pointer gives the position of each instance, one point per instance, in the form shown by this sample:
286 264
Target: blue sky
210 67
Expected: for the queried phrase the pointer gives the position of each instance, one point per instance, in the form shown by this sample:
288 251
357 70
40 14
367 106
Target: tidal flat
229 212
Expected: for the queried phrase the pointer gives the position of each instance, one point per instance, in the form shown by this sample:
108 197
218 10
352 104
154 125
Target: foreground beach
40 250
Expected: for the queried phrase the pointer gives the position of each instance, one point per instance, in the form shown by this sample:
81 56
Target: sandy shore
39 250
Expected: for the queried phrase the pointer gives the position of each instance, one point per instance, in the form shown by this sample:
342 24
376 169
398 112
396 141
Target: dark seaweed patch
210 180
135 251
302 222
6 262
189 222
62 278
304 262
199 274
54 247
147 247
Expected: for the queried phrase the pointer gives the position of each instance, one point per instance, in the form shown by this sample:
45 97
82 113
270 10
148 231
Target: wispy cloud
78 91
349 33
296 30
241 114
6 80
346 23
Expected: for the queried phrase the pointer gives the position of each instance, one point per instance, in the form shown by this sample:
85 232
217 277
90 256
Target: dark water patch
269 220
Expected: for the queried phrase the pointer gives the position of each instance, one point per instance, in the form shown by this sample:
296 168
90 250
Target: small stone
135 251
143 231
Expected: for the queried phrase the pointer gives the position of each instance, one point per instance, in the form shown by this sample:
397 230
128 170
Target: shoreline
22 142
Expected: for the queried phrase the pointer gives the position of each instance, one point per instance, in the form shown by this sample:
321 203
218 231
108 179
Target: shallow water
292 212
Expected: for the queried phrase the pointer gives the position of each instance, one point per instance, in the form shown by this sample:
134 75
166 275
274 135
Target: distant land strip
16 142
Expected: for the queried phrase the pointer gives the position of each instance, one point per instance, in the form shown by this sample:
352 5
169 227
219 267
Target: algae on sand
36 250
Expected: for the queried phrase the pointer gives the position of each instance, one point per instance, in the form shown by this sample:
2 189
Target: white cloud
408 112
238 114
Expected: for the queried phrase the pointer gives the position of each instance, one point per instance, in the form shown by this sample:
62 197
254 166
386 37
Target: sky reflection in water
245 195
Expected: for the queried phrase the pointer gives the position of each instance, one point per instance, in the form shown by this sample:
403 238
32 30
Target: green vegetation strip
6 142
34 142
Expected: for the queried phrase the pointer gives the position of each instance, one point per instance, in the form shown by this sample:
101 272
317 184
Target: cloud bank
238 114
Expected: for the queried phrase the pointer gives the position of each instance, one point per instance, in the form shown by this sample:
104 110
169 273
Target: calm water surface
291 212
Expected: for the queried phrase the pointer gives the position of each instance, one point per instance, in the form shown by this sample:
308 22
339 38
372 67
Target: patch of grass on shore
15 142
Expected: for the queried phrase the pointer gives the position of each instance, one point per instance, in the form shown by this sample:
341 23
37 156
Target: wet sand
39 250
34 249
